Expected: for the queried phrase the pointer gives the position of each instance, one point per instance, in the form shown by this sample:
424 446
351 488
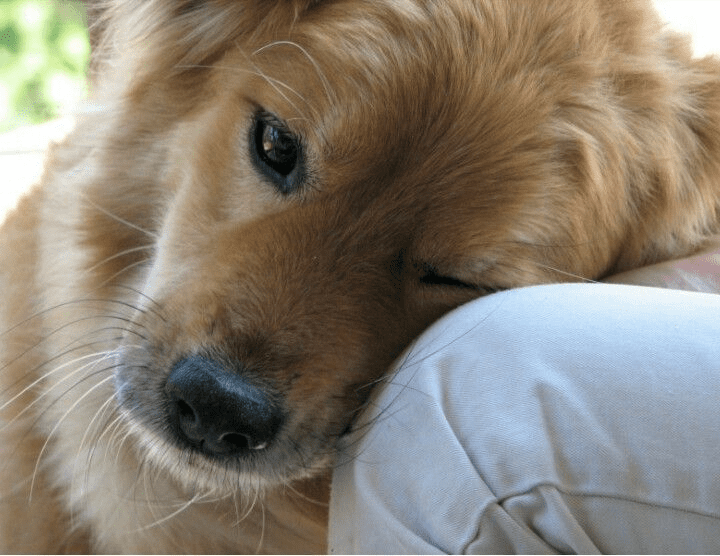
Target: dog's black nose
217 411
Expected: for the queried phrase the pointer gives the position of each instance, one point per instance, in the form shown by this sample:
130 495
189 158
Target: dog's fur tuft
286 192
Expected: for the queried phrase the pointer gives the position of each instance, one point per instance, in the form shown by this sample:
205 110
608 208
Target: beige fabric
568 418
701 272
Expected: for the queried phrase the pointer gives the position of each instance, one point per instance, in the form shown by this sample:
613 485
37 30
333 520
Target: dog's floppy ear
94 10
98 20
675 191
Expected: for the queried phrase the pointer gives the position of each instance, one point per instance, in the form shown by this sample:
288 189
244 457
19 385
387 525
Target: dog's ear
676 181
97 22
94 10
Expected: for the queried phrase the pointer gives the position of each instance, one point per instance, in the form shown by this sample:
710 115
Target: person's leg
567 418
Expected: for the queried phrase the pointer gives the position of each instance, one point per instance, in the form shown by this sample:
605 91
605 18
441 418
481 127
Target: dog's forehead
395 56
411 75
403 73
367 48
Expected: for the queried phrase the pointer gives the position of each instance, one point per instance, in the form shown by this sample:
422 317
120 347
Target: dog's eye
431 278
277 148
276 152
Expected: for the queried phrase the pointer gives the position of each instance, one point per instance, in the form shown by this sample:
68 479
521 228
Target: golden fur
449 149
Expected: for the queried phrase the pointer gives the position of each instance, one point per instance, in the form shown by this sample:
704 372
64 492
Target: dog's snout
217 411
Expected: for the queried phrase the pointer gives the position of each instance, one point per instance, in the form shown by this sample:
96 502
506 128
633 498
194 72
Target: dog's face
305 188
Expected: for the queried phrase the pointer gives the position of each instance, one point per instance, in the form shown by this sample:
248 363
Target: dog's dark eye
431 278
277 148
276 152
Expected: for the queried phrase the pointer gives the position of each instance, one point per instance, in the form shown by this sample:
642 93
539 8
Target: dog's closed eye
432 277
277 153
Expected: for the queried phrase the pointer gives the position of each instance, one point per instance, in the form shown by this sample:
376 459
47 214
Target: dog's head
296 189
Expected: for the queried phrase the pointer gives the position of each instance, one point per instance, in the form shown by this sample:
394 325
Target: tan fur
500 144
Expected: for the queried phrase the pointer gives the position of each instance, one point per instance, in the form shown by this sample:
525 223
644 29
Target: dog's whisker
52 432
65 350
90 302
542 277
157 307
49 335
115 217
107 433
95 423
329 93
56 398
289 486
110 279
276 84
120 254
262 527
249 503
97 426
161 520
93 357
271 80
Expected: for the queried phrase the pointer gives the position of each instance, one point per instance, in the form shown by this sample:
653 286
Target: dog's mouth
216 427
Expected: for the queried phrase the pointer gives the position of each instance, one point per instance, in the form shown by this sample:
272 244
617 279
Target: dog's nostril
240 441
185 412
243 442
219 412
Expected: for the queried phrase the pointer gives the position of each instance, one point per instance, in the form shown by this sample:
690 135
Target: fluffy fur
449 149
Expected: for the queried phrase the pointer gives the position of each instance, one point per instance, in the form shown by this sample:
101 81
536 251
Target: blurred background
44 52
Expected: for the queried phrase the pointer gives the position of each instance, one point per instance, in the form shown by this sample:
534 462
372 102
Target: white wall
700 18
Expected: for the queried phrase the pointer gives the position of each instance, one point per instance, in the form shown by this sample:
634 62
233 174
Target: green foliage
44 51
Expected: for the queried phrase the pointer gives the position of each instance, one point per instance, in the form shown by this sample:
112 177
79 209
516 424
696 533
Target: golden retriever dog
265 201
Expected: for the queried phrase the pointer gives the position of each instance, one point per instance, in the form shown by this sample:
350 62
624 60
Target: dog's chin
200 474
